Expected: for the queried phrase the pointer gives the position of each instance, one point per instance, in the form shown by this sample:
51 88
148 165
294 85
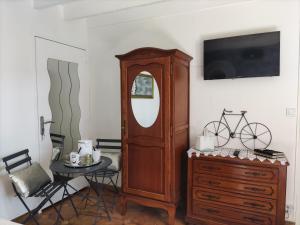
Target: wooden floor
136 215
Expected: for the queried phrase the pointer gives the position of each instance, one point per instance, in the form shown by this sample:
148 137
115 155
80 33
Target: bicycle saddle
243 111
227 111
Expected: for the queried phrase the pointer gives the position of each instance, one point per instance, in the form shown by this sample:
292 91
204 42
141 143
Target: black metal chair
58 141
46 192
108 148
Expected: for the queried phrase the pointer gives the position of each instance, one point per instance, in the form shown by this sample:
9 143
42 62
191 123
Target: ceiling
92 6
41 4
108 12
89 8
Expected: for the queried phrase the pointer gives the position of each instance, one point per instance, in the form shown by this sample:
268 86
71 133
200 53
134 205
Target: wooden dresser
234 191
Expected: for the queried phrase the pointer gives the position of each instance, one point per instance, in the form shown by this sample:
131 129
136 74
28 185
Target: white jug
85 147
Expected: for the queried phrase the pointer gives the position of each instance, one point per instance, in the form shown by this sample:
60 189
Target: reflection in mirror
64 104
145 99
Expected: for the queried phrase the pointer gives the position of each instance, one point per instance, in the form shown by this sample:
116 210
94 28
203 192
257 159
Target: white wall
1 58
18 100
265 98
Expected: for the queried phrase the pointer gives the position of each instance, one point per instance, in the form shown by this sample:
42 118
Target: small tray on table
81 165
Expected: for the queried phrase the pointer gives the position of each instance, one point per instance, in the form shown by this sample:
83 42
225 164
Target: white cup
74 158
96 155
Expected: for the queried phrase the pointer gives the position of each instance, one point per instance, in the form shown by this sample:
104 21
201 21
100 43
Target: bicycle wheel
220 130
255 136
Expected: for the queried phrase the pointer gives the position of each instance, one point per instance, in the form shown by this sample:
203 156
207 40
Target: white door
49 50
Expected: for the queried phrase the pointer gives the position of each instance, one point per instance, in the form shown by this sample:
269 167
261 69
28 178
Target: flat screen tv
255 55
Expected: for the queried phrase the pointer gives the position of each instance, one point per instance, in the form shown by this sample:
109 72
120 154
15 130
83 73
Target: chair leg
60 205
72 203
95 186
103 178
72 187
117 178
114 185
116 190
31 214
47 198
87 196
57 211
103 200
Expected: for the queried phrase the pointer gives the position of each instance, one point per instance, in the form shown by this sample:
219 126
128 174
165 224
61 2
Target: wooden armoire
152 155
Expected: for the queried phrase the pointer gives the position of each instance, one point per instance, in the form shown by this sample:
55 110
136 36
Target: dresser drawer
251 173
235 186
256 204
229 216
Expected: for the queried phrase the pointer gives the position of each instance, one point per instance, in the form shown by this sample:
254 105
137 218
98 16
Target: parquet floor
136 214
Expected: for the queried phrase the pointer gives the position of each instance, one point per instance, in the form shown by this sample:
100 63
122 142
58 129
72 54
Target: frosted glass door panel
64 101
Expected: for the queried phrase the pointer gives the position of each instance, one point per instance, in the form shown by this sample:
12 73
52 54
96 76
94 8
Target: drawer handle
255 174
214 183
211 167
254 220
212 211
211 197
255 205
255 189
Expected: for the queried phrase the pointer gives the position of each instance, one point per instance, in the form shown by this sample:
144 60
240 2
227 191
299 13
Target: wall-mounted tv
255 55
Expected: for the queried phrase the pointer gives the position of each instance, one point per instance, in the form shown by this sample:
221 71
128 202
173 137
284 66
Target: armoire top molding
150 52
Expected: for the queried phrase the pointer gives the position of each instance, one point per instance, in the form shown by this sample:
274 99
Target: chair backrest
11 162
109 144
58 140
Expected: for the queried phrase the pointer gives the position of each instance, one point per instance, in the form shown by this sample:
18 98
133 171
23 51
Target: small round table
59 168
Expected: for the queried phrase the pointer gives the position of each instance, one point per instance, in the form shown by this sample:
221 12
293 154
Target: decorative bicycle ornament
253 135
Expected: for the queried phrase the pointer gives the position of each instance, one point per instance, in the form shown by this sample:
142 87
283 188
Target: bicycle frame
252 135
227 113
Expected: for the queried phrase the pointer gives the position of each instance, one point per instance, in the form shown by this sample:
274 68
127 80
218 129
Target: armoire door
145 114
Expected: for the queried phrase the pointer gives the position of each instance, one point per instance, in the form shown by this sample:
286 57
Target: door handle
123 127
48 122
42 125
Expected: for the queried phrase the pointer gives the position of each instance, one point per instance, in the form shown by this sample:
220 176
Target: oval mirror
145 99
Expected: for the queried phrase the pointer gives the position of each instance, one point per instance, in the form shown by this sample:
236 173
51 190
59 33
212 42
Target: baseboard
289 223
